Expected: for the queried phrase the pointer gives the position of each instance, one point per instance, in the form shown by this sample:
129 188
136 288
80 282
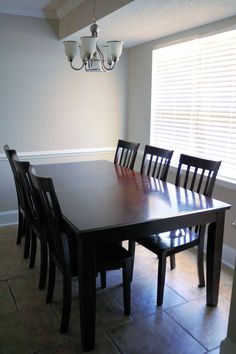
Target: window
194 99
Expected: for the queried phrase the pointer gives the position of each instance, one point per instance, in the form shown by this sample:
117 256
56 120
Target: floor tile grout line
185 330
113 342
11 291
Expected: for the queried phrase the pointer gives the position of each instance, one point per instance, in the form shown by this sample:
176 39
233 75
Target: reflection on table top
99 195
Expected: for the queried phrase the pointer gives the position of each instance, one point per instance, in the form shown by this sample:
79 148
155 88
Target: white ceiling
140 20
144 20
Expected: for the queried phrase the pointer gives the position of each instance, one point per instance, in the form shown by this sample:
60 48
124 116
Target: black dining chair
126 153
22 169
23 214
195 174
62 248
155 163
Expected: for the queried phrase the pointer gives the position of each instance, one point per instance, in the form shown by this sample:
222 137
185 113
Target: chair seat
109 256
166 241
114 251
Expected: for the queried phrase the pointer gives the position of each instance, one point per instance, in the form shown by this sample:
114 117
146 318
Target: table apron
124 232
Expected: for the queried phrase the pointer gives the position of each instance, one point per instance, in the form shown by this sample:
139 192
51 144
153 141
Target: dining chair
155 163
126 153
63 253
195 174
23 215
22 169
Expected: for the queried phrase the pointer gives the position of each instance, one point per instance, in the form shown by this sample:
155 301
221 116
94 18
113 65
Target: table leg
87 292
214 253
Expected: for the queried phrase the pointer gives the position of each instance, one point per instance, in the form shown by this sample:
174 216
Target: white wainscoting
61 154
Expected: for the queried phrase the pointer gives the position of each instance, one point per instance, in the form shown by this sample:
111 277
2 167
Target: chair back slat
127 158
156 162
150 165
126 153
208 179
156 166
193 178
200 183
197 174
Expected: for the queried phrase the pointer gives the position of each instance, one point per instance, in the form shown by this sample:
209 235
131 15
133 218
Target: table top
97 195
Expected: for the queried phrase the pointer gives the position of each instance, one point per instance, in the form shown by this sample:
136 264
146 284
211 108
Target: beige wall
45 105
139 112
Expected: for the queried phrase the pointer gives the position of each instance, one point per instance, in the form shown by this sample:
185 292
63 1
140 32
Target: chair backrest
22 169
156 162
126 153
19 190
197 174
50 216
9 153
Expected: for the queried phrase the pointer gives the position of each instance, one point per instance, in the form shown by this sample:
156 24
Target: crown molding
67 7
58 13
22 11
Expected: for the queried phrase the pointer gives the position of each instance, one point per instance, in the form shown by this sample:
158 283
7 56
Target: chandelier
94 58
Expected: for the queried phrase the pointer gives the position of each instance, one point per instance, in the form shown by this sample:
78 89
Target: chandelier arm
103 61
109 68
100 53
74 68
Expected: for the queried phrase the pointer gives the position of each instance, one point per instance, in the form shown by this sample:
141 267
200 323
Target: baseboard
9 217
228 256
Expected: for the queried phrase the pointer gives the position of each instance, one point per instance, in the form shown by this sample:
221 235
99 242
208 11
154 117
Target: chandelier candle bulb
89 46
70 49
115 49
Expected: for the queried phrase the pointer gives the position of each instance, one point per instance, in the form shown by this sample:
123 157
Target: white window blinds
194 99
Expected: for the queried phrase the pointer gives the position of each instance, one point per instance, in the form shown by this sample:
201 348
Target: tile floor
182 325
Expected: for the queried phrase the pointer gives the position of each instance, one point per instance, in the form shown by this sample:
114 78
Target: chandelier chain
94 12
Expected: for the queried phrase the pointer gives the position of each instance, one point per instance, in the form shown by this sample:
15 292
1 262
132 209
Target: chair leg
127 273
27 239
161 278
21 226
33 249
132 251
43 264
103 279
66 307
51 281
172 262
200 262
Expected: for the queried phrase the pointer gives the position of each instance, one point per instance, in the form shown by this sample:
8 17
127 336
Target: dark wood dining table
103 202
